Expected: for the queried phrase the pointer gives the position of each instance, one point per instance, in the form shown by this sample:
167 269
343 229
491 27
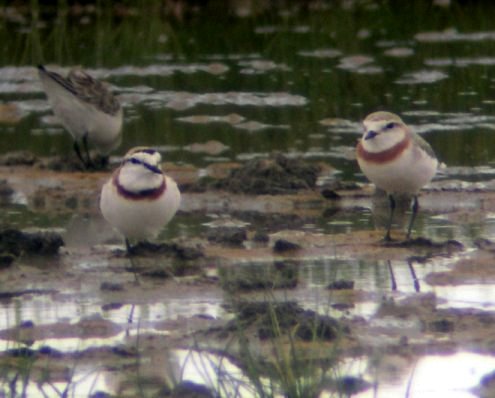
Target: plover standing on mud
86 108
396 160
139 200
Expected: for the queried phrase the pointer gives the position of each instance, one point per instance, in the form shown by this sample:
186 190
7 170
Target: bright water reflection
453 375
436 376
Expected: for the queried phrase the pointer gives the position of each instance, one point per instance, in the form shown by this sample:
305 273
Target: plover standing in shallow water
139 200
396 160
86 108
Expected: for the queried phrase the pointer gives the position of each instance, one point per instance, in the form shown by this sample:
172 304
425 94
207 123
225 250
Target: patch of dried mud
273 176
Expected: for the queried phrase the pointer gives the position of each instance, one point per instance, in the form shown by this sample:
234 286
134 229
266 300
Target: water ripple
452 35
422 77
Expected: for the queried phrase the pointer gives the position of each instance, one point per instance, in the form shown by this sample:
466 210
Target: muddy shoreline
245 267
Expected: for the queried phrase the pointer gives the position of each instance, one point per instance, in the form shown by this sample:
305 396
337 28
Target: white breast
139 219
408 173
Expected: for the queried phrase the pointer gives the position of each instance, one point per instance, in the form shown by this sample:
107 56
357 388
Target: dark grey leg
415 207
392 275
391 200
130 254
78 153
104 161
89 163
413 274
128 247
130 319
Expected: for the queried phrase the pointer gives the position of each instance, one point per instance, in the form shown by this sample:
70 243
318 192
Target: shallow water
293 81
284 80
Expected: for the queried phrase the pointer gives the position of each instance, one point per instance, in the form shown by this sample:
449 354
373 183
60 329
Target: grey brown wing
423 144
93 91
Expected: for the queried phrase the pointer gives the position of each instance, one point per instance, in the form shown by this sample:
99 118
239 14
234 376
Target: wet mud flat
244 288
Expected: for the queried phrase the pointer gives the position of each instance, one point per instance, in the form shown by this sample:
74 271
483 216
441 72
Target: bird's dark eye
390 125
134 161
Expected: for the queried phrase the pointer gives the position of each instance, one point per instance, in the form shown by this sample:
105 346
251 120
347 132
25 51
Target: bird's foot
387 238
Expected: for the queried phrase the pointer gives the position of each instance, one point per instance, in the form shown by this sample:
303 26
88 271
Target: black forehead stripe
154 169
148 151
151 168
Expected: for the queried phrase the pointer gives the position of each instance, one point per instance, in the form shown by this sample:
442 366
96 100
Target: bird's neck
385 141
388 154
137 178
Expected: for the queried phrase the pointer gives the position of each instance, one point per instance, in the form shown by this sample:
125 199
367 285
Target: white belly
406 174
139 219
103 130
80 118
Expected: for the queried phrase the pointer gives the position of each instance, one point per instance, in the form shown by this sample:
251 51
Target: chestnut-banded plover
396 160
139 199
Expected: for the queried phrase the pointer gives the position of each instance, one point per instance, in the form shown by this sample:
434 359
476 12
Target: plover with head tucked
395 159
139 200
87 109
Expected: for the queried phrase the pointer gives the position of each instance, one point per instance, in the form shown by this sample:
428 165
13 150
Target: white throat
385 138
136 177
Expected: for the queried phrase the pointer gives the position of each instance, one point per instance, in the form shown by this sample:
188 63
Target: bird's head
144 158
382 130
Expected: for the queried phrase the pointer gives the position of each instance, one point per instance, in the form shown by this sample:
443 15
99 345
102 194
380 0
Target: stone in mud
6 191
10 113
486 388
26 324
441 326
6 260
18 158
111 287
199 186
112 306
273 222
288 316
7 295
187 253
232 236
330 194
261 237
341 284
50 352
22 352
26 352
485 244
165 269
189 389
211 147
420 242
273 176
70 163
101 394
283 246
124 351
330 189
342 306
281 275
175 250
174 260
148 248
351 385
15 242
62 163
